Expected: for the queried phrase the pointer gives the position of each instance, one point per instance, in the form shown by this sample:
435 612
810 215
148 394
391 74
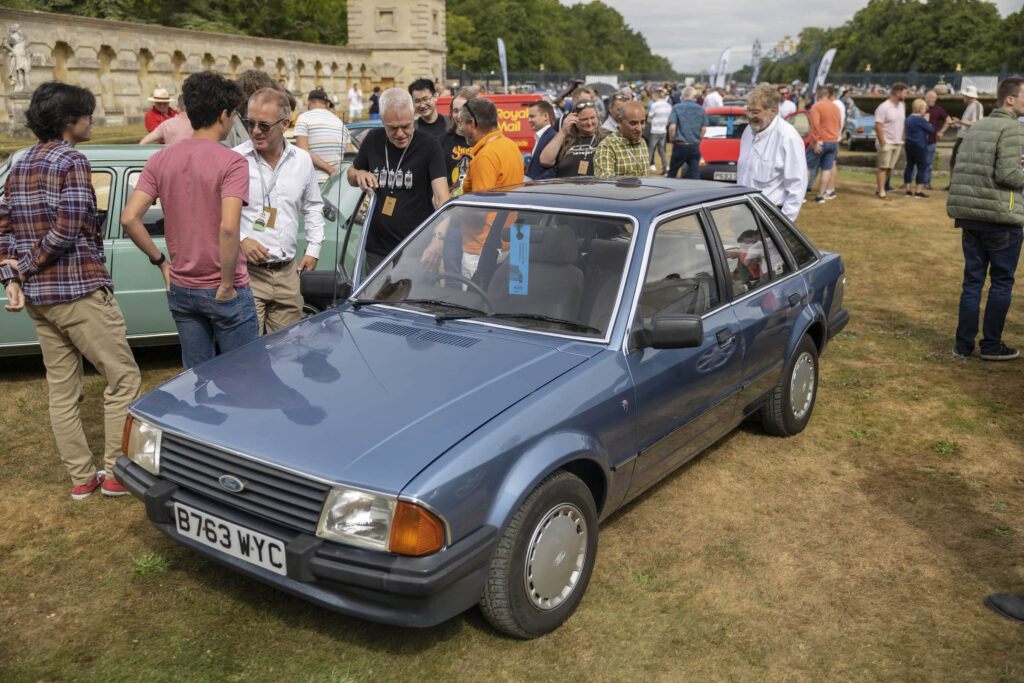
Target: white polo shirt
774 161
291 188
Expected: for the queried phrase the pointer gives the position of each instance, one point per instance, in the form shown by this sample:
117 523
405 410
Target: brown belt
272 265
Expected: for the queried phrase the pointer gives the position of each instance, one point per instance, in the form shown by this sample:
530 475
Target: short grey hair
688 92
274 95
395 98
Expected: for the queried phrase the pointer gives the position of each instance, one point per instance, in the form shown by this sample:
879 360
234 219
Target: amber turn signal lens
415 531
126 434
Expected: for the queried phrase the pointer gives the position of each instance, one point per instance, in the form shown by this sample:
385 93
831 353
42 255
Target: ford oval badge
232 484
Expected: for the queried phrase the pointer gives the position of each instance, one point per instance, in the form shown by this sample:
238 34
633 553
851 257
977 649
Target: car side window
802 254
153 219
801 122
102 182
680 278
752 256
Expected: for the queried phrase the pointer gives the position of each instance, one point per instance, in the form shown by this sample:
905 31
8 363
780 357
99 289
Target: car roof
109 152
727 110
640 197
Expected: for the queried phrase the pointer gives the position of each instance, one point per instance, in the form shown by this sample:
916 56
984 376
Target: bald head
631 122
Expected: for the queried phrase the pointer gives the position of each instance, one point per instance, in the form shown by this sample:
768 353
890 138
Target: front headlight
380 522
141 443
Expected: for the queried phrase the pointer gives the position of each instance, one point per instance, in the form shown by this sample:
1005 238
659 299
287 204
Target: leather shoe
1006 605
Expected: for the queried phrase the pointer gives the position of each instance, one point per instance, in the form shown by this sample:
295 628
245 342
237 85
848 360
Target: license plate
725 175
231 539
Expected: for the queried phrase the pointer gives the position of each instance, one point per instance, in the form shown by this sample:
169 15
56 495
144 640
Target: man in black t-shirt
424 98
407 172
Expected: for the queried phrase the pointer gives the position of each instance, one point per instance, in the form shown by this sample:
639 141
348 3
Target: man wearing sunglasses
282 187
202 186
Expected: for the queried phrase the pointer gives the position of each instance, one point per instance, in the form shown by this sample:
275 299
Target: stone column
124 76
84 70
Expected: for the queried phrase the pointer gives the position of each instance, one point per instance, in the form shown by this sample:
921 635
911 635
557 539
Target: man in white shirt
786 105
713 99
657 115
355 102
282 185
772 157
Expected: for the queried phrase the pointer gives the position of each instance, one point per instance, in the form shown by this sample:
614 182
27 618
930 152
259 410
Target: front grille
271 493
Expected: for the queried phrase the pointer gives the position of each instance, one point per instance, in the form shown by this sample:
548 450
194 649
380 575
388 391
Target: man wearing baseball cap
321 133
161 110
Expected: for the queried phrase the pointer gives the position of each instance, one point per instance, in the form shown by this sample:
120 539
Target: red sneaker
85 490
113 488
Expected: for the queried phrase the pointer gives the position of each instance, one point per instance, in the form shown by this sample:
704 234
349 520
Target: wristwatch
159 261
8 281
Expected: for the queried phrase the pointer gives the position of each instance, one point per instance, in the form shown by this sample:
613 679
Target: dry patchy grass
860 549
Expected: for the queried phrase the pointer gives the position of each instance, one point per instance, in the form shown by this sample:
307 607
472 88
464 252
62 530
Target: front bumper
384 587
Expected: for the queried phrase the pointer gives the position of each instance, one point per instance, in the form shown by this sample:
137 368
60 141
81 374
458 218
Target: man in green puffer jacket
986 204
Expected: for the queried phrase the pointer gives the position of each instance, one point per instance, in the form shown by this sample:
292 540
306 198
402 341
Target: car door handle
725 336
795 299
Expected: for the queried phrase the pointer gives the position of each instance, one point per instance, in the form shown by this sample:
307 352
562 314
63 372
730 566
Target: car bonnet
358 397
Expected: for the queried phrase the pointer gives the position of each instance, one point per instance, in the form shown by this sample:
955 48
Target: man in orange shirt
496 162
826 125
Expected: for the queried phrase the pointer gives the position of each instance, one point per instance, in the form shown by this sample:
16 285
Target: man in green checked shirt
624 152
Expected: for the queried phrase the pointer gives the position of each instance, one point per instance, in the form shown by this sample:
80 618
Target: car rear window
726 125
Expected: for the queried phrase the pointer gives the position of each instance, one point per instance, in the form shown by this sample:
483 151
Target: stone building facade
391 43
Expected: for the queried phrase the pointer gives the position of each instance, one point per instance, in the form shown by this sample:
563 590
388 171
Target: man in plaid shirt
51 264
624 152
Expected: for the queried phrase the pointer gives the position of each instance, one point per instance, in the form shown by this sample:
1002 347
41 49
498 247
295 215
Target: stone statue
18 69
941 88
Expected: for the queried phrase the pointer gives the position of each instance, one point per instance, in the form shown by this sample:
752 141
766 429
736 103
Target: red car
720 148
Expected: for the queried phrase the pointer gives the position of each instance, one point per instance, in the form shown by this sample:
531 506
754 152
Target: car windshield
726 125
552 272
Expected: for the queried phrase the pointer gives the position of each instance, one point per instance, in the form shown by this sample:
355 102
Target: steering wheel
472 286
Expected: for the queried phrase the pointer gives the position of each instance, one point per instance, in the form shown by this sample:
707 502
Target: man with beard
772 157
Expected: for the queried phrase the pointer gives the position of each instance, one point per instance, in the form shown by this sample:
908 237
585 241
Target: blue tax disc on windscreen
519 260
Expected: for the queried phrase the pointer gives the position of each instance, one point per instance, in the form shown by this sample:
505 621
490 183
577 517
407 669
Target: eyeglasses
583 105
264 126
469 111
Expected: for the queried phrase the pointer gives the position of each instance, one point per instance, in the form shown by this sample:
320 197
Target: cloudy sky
693 34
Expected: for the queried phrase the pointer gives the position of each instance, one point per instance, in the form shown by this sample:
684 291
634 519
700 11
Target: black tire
791 402
557 521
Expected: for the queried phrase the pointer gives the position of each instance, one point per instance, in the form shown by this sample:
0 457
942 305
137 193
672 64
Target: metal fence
956 80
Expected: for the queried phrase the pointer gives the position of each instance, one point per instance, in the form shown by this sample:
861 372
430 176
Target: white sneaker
653 167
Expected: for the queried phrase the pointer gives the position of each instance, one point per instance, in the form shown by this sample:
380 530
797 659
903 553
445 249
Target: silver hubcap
801 385
555 556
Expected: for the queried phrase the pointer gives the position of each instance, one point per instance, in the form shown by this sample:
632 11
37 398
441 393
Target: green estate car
137 284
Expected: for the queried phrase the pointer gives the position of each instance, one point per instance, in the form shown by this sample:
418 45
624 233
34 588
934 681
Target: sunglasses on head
583 105
265 127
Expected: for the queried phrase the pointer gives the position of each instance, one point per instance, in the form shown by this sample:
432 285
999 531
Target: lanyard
398 166
273 176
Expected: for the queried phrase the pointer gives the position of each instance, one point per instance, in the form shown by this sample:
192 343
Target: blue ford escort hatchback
437 441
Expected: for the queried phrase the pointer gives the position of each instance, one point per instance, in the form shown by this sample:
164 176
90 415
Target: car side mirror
672 332
324 286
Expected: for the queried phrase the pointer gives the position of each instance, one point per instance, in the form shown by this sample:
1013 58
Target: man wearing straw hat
161 110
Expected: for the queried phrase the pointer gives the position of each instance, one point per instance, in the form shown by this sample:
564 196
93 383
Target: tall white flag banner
723 68
757 72
504 63
826 64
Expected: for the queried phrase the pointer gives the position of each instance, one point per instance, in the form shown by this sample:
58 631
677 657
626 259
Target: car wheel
847 140
544 559
791 402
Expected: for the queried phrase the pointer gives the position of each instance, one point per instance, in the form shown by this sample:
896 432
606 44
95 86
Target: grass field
860 549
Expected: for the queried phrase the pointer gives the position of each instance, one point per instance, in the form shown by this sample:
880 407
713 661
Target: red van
512 117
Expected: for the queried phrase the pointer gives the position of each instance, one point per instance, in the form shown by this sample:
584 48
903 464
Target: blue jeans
929 163
995 252
202 320
824 161
685 154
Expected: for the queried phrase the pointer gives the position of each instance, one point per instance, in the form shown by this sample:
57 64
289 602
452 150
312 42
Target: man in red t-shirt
161 110
202 186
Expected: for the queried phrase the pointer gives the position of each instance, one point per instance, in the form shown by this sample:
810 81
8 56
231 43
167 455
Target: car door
138 284
685 398
802 122
768 296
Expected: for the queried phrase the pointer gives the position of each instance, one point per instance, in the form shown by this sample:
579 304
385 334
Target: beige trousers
277 296
91 326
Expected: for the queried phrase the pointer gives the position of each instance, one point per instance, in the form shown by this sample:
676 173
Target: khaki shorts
888 155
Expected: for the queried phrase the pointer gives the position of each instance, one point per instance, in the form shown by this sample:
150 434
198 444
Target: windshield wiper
529 316
471 312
